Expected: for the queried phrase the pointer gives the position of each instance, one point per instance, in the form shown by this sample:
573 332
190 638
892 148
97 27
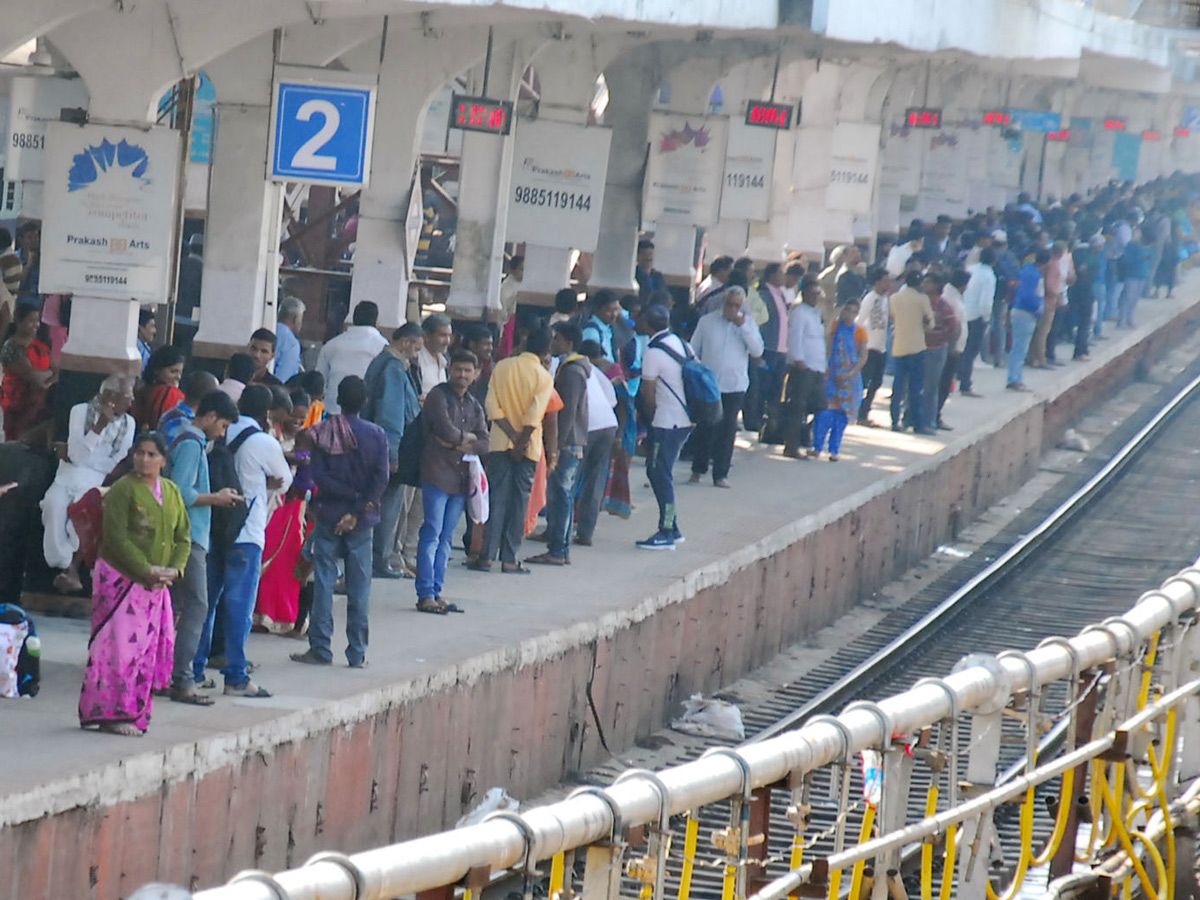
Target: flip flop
180 695
431 606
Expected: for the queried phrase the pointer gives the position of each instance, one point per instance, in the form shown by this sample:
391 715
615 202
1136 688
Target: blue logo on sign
321 133
107 159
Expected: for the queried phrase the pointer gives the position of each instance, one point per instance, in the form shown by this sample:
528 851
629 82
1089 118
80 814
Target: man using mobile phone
188 468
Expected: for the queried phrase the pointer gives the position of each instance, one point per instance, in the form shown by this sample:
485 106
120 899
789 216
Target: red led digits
769 115
481 114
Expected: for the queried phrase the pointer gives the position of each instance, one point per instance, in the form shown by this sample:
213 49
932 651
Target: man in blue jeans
350 471
670 425
570 381
454 425
233 569
911 314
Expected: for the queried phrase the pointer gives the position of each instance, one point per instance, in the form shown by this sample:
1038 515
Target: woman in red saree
159 391
28 374
280 582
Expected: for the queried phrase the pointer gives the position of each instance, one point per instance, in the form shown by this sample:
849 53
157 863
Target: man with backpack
663 396
252 458
188 468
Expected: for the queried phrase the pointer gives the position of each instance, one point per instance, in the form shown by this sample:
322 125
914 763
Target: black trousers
1081 304
949 370
872 373
715 442
805 398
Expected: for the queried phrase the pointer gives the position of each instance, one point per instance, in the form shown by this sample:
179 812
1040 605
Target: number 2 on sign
307 157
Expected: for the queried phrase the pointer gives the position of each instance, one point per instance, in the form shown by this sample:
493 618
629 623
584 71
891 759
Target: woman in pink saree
145 546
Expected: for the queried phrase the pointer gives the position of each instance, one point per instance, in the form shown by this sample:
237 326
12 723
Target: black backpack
227 522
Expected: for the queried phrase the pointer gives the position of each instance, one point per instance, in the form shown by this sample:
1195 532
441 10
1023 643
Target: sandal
518 569
431 606
476 565
207 684
189 696
126 729
547 559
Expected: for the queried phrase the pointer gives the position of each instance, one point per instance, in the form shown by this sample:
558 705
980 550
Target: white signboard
557 186
749 165
853 163
109 211
685 169
34 103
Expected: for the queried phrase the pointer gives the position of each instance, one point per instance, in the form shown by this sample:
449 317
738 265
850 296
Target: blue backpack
701 395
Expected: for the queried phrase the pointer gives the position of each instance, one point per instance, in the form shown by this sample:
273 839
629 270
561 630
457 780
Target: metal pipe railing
443 859
937 824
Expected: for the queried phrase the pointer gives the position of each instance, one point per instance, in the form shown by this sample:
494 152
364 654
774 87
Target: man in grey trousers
188 468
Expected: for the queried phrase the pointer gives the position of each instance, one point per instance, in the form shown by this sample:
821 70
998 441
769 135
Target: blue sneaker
677 535
660 540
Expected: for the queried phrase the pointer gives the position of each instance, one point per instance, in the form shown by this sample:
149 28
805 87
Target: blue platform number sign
321 133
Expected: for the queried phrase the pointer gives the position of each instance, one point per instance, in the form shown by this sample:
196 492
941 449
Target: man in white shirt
900 254
725 341
873 316
718 277
977 311
670 424
601 436
350 352
99 435
808 357
436 333
233 571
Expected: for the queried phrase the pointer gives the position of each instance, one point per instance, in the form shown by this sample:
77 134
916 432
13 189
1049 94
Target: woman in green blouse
145 546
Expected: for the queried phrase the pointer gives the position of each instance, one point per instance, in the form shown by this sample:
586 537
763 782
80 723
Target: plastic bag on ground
710 718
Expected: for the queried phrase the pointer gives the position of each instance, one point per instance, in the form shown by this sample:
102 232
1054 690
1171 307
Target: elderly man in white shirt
350 352
978 298
99 435
808 358
873 316
725 341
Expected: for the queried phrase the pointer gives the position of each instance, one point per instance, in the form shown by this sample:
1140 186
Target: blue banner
1127 148
1036 120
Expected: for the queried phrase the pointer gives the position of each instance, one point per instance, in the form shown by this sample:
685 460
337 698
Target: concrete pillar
633 83
241 268
483 194
567 72
417 62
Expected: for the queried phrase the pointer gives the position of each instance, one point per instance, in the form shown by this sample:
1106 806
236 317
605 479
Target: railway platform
542 675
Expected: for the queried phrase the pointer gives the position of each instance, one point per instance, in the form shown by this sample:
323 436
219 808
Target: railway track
1082 553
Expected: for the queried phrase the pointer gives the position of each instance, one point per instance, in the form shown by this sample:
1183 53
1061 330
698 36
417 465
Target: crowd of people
204 508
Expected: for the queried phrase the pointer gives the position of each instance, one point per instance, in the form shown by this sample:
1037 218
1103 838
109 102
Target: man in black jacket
571 383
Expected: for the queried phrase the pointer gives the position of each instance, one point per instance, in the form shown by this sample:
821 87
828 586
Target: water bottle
29 667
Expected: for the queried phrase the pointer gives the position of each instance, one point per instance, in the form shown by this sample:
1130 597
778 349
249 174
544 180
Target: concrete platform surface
51 765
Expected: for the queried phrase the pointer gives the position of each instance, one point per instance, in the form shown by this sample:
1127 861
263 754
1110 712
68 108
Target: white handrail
442 859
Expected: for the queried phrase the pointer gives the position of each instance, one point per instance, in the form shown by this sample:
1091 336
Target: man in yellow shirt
517 397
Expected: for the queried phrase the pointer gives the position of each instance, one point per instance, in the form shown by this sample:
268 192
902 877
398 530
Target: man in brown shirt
454 426
911 314
939 338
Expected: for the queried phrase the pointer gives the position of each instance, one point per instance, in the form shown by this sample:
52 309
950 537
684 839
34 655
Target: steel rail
843 690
